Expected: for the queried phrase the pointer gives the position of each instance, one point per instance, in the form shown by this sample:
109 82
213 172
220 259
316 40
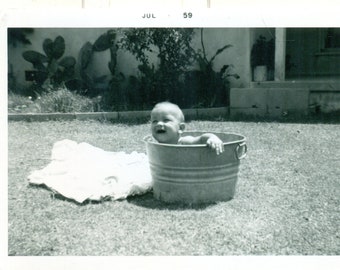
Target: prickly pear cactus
105 41
54 49
49 66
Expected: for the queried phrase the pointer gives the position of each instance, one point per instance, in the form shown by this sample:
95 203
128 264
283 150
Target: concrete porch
302 94
281 98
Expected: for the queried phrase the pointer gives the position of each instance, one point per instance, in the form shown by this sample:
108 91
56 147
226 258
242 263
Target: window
329 41
332 39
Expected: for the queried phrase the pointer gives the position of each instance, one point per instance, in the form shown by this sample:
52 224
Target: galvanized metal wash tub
194 173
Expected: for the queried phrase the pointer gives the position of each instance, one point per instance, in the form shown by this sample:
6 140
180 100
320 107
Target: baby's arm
207 138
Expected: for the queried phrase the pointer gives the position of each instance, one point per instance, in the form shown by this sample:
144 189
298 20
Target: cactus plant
115 95
49 66
107 41
104 42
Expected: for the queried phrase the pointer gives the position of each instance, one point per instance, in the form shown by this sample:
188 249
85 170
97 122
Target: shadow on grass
58 196
148 201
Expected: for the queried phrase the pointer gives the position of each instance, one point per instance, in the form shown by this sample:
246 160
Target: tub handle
243 152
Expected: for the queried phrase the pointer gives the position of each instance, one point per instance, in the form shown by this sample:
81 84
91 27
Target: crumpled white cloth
81 171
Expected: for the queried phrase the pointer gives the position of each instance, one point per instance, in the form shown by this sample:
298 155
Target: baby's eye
166 120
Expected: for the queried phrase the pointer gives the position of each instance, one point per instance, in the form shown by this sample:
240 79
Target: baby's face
165 124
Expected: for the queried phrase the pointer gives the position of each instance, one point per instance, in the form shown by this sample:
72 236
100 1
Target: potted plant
262 59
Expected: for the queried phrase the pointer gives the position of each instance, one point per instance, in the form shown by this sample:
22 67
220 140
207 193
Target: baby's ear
181 127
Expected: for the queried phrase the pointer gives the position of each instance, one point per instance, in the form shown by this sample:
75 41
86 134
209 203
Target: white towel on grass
81 171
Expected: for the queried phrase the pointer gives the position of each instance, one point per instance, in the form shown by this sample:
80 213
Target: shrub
172 78
18 103
63 100
59 100
175 54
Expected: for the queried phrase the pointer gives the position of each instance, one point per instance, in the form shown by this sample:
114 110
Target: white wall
238 55
75 38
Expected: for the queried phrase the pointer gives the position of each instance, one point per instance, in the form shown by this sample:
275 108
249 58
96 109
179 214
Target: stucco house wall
214 38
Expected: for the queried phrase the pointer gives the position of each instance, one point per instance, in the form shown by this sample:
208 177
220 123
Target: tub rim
154 142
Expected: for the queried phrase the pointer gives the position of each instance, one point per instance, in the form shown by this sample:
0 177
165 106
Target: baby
167 126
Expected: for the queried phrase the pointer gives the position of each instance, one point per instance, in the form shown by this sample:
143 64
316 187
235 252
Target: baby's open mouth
161 131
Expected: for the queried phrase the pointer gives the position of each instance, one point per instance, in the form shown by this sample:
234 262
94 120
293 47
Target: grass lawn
286 202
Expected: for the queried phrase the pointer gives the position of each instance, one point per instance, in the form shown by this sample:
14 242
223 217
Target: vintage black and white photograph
173 141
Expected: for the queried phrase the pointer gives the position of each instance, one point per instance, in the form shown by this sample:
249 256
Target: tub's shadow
57 196
147 200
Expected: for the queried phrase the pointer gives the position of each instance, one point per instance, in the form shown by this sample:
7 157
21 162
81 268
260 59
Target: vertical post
250 38
280 54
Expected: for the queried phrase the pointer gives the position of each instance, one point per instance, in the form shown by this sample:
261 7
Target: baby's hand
216 144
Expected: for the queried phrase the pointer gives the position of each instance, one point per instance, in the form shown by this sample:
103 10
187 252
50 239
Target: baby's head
167 122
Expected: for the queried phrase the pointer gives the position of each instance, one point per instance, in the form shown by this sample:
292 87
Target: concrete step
312 85
274 102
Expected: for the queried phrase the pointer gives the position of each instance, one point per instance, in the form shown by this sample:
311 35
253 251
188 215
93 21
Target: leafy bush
172 79
173 49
